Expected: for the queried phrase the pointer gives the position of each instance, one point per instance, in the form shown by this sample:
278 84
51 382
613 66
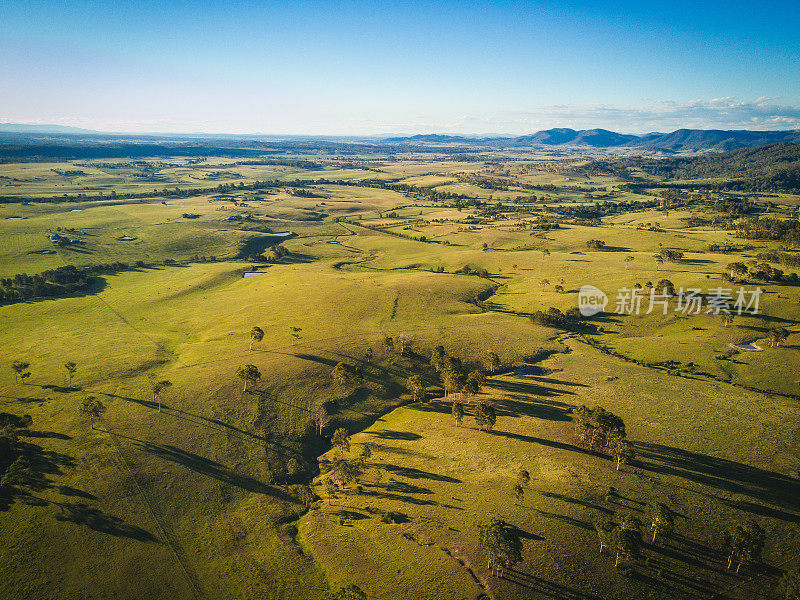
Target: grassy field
194 498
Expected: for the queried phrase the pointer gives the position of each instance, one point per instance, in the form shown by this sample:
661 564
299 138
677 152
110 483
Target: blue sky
407 67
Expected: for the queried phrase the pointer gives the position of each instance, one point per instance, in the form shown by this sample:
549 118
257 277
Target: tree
627 545
417 387
519 493
305 495
249 374
474 382
744 543
777 335
17 474
545 283
628 259
662 520
494 362
452 382
485 416
501 542
71 367
256 335
351 592
545 253
404 341
296 334
340 374
341 440
737 268
93 408
437 358
158 387
622 450
321 419
605 528
20 370
368 355
365 455
330 490
345 471
458 412
659 260
523 477
388 341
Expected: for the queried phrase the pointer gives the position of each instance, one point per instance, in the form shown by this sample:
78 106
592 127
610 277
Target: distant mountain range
23 128
682 140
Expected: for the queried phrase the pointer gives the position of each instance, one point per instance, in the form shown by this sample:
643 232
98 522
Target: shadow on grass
549 589
83 514
209 468
412 473
759 484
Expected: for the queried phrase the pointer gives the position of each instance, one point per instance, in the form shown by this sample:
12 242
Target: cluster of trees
15 469
595 244
760 271
553 317
786 231
601 430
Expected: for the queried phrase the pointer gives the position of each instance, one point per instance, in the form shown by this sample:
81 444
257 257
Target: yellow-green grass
714 453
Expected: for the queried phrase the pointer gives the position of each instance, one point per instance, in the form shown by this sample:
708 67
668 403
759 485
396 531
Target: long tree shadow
722 474
550 589
542 409
209 468
412 473
571 500
93 518
529 388
544 442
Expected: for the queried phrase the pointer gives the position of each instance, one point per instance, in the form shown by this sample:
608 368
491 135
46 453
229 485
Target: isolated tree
351 592
256 335
458 412
777 335
627 540
474 382
628 259
388 341
501 543
295 334
659 260
92 408
416 386
744 543
662 520
545 253
321 419
305 495
727 319
485 416
605 528
523 477
17 474
545 283
494 362
158 387
365 455
20 370
737 268
340 374
330 490
345 471
519 493
71 367
341 440
249 374
622 450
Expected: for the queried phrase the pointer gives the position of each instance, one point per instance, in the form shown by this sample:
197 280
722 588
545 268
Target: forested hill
774 167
